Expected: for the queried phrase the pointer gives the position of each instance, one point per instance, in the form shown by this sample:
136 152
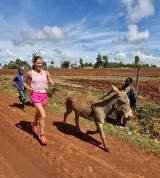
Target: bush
65 64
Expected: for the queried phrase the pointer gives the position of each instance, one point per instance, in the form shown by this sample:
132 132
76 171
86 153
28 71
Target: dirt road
67 154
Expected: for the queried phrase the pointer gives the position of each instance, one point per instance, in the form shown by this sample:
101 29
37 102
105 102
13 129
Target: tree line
101 62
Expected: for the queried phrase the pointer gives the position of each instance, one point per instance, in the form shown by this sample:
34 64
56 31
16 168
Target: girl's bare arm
49 78
26 79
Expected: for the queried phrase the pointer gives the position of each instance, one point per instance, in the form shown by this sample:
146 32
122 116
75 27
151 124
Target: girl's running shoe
34 128
43 139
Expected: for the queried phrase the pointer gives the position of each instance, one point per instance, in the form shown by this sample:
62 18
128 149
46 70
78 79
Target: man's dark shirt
131 95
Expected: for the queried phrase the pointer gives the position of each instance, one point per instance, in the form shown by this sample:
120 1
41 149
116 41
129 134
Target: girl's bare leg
37 117
42 114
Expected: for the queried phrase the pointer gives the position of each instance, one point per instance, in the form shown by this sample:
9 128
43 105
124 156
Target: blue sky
61 30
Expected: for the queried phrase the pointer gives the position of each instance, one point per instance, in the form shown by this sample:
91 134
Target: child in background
18 83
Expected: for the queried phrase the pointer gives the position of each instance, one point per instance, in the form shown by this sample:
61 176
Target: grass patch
142 141
57 104
6 85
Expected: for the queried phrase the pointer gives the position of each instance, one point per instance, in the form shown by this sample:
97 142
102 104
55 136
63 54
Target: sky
59 30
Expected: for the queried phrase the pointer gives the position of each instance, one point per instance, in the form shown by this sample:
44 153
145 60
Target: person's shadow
17 105
20 106
26 127
71 130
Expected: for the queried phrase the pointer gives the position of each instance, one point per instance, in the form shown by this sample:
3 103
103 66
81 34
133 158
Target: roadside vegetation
145 127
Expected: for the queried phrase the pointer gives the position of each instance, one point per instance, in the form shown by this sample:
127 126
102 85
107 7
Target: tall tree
52 64
18 62
137 60
44 65
99 61
105 61
33 55
81 63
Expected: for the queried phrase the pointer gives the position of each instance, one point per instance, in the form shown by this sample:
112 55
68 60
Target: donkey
96 110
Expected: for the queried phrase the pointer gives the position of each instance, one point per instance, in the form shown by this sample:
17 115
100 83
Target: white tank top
39 81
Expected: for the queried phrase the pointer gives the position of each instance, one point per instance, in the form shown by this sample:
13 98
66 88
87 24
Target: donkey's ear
116 89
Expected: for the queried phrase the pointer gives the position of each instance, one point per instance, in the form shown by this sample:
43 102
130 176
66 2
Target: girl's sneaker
43 139
34 128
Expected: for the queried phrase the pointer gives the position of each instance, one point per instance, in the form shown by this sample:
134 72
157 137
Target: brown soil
148 90
120 72
67 154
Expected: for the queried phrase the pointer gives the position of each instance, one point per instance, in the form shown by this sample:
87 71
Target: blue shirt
18 82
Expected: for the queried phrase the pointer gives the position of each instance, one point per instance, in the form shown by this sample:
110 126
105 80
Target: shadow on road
71 130
26 127
20 106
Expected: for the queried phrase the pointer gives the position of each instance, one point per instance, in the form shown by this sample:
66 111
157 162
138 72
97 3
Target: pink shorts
37 97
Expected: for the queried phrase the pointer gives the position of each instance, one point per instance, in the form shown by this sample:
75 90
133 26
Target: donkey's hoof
106 149
88 132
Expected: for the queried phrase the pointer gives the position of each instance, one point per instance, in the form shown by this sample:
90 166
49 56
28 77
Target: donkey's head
122 106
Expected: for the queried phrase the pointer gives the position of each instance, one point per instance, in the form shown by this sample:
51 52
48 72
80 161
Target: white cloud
17 43
10 54
53 34
118 56
130 57
57 51
144 51
138 9
42 53
114 52
85 37
117 41
147 59
134 36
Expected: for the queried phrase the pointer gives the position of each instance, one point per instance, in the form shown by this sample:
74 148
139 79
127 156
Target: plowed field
67 154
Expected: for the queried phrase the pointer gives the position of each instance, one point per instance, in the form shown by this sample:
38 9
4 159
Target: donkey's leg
92 131
100 129
68 111
119 119
77 123
125 120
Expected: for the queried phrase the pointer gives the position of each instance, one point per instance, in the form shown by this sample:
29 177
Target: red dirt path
66 155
